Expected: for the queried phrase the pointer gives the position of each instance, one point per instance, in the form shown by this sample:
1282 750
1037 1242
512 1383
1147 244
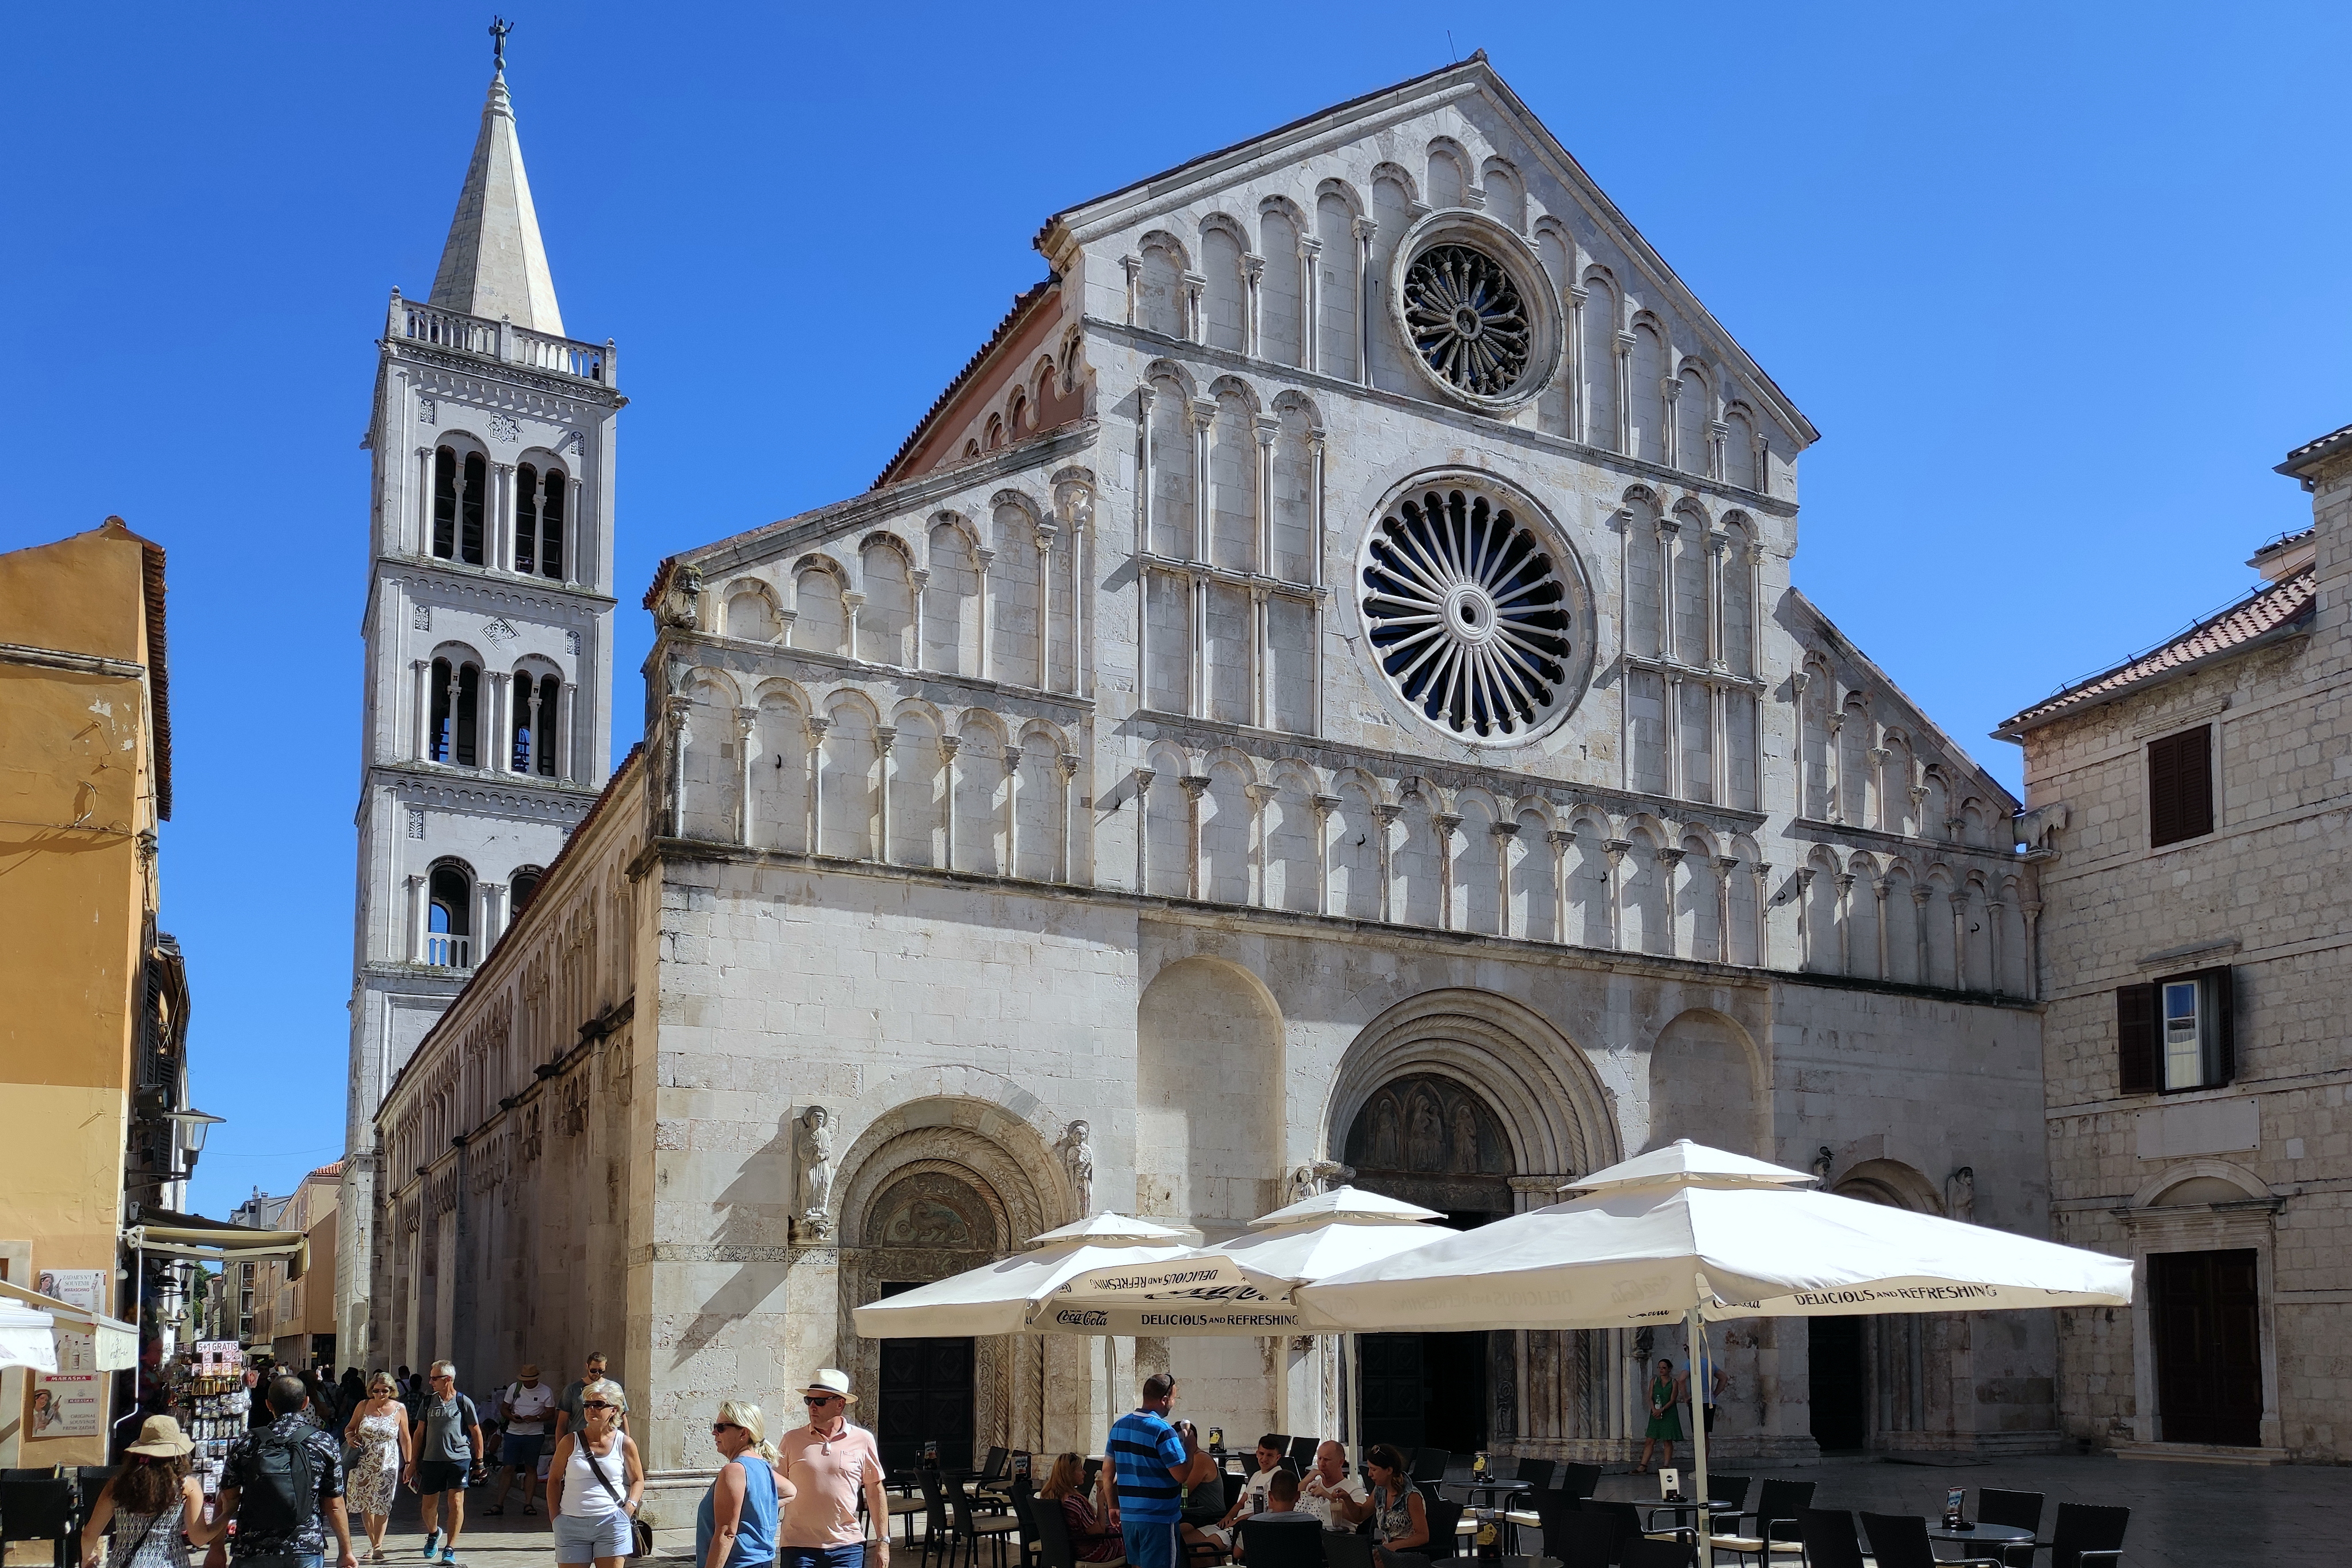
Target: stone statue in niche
1306 1181
1465 1138
815 1146
1960 1194
1078 1164
1386 1152
1426 1138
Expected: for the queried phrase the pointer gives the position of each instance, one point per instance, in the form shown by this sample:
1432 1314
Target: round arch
1554 1113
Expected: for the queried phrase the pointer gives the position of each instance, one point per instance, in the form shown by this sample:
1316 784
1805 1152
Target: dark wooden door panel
2205 1316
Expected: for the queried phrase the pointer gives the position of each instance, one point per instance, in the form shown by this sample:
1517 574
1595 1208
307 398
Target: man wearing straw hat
829 1462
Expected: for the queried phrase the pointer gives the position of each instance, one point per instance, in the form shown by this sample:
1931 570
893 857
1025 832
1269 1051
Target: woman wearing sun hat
149 1504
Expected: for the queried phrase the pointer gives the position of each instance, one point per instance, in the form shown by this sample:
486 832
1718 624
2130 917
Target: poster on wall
71 1402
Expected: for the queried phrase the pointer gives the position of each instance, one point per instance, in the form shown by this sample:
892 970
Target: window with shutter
2136 1050
2180 786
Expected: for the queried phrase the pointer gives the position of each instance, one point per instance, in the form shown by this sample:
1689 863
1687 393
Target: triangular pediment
1474 87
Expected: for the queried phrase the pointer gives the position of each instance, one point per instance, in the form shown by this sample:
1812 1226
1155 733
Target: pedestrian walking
525 1408
255 1402
449 1450
380 1444
828 1464
595 1482
1151 1473
567 1409
138 1517
283 1485
736 1525
1665 1422
350 1392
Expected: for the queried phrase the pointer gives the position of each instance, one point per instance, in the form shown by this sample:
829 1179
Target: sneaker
449 1554
432 1544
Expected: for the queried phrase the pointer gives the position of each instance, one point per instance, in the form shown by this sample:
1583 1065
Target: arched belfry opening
1433 1141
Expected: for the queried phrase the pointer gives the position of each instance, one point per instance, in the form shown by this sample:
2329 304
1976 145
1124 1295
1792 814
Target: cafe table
1994 1538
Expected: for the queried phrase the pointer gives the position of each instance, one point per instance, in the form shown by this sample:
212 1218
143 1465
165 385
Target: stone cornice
473 790
741 656
482 367
456 577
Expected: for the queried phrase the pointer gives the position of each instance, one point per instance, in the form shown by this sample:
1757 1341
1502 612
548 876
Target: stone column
1193 785
1878 760
816 729
682 732
1446 823
1762 872
1261 708
1615 849
1134 265
419 902
1716 431
1011 808
1670 440
1081 512
1674 769
1920 897
1196 319
886 763
574 533
1668 859
1724 867
1667 648
1578 296
1959 897
456 683
1259 794
1805 917
1310 249
1845 921
1386 817
918 579
1505 835
501 543
1324 805
1363 228
424 502
424 669
1045 607
1267 428
1715 541
493 923
852 602
1143 777
1625 394
567 744
1204 420
984 559
1067 766
538 735
1559 839
745 718
1879 888
1314 559
2032 909
949 746
1799 679
1833 768
1143 395
1993 908
1254 283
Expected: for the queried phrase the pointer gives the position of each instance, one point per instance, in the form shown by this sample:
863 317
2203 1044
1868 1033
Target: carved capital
1324 804
1194 785
1385 813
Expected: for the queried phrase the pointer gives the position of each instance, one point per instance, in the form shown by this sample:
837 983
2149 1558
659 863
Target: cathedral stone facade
1322 687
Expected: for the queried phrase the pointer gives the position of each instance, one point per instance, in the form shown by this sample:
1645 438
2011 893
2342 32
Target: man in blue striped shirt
1149 1463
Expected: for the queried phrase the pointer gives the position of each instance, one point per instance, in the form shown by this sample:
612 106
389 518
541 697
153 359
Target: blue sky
2058 284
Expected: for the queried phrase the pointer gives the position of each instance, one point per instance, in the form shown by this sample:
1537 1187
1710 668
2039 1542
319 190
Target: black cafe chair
1347 1549
1054 1548
1775 1513
2087 1536
1535 1475
1025 1510
1828 1537
2019 1510
972 1527
936 1536
1732 1490
1302 1453
1585 1539
1900 1541
1293 1541
41 1509
1648 1551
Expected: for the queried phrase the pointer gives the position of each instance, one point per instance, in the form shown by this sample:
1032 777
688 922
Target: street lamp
193 1124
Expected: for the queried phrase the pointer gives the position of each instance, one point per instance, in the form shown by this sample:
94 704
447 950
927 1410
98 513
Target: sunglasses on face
814 1403
595 1404
719 1426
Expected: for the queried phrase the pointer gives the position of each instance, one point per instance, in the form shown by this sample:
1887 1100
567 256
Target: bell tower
487 687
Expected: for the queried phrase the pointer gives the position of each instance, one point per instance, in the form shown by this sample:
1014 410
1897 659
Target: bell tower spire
494 264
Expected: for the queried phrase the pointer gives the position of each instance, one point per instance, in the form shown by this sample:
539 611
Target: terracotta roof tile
2261 615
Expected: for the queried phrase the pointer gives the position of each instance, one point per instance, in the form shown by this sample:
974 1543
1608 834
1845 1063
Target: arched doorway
1430 1140
927 1224
1868 1377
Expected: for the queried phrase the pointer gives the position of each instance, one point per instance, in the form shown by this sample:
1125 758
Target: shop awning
115 1342
27 1338
177 1235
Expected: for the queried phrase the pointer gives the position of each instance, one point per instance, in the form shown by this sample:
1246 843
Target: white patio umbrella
1701 1235
27 1338
1007 1296
1311 1239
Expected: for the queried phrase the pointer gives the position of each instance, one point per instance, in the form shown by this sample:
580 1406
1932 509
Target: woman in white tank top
591 1524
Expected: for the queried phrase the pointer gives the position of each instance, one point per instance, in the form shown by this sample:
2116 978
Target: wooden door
2205 1312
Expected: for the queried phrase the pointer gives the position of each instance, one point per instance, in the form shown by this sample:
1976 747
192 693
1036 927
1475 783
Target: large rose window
1468 322
1472 614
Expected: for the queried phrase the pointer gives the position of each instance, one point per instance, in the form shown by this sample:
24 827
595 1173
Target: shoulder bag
641 1534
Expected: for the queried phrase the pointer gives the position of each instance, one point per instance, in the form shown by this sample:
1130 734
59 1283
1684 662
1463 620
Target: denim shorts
852 1556
520 1450
579 1539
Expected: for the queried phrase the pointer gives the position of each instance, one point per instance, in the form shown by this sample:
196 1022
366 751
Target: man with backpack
283 1484
448 1450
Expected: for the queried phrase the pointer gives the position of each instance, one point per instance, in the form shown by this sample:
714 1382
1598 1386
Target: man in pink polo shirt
828 1461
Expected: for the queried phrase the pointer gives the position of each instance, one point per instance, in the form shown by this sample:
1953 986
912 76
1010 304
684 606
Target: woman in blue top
736 1526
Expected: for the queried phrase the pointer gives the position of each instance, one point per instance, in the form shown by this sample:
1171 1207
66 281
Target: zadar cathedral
1321 687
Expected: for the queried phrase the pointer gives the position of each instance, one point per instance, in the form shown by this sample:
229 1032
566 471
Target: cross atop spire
494 264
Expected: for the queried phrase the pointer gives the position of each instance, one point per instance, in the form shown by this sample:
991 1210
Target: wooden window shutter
2180 786
2136 1042
2220 998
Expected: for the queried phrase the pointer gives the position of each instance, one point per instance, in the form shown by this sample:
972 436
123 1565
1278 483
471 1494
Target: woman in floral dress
379 1431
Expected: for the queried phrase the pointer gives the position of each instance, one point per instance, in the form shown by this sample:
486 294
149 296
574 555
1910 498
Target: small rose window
1467 320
